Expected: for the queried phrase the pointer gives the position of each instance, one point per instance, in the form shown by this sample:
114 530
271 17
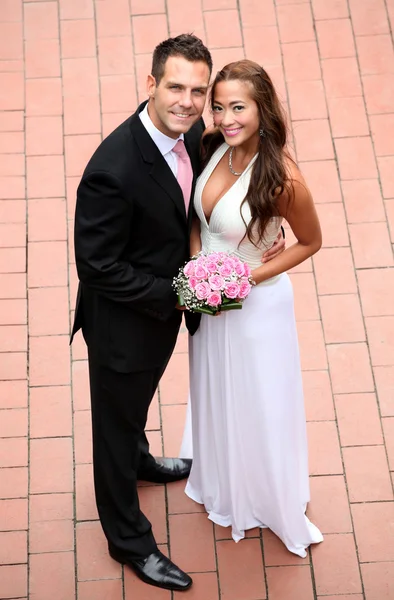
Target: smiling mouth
232 132
182 115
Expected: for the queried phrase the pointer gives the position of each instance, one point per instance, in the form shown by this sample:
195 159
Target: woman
248 432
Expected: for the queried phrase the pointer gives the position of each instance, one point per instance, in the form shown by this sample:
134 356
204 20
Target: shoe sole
150 581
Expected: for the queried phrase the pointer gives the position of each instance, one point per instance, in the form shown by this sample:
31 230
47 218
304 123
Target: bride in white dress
246 431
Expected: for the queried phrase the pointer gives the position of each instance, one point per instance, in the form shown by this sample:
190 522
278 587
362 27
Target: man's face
179 99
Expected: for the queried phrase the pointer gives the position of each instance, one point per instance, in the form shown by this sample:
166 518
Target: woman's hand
277 248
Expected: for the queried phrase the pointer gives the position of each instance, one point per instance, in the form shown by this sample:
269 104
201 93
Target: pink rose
244 289
193 282
216 282
231 290
239 269
214 299
211 266
202 290
188 269
247 270
225 270
200 272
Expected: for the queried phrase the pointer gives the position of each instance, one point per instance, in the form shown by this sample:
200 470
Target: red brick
386 165
78 38
295 23
13 312
118 93
307 100
261 45
379 93
382 127
205 585
12 235
135 588
11 41
13 581
290 582
13 514
342 318
341 77
79 149
384 378
50 412
41 20
12 260
13 547
322 180
44 211
13 452
173 419
380 331
12 187
368 17
13 338
196 527
363 201
13 482
80 382
366 252
261 12
313 140
335 38
241 570
51 536
50 507
331 517
372 529
222 27
51 465
12 91
330 9
338 550
110 589
333 224
76 9
305 298
324 451
312 349
374 285
139 7
115 55
12 165
12 211
319 403
113 19
13 394
174 385
42 58
12 120
85 500
367 474
358 420
378 580
49 360
350 368
12 11
178 502
47 264
52 576
13 422
13 365
12 142
55 318
93 558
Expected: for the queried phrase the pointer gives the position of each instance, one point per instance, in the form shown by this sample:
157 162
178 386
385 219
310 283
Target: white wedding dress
245 426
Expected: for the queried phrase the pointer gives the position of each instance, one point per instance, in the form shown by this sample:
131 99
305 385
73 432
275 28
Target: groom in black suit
132 231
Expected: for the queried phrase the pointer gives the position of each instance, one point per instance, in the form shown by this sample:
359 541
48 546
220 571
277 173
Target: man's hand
277 248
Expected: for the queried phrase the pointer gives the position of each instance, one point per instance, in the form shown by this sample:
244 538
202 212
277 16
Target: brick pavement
71 70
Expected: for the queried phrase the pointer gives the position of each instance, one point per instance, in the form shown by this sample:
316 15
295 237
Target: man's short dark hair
186 45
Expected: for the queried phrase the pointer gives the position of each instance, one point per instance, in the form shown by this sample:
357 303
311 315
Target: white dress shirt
164 143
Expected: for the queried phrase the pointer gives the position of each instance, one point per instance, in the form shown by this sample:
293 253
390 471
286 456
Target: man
132 227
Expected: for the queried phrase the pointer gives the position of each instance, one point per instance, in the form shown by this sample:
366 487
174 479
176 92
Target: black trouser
120 403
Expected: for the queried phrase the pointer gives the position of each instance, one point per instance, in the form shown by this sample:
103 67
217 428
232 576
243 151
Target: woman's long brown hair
270 177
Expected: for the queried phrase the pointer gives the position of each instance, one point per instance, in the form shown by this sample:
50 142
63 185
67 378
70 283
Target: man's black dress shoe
166 470
156 569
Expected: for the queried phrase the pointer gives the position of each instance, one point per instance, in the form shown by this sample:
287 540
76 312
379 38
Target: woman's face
235 112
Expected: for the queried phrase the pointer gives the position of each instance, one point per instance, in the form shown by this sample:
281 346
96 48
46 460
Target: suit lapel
159 170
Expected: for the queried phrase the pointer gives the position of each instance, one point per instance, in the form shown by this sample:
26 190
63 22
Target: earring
261 132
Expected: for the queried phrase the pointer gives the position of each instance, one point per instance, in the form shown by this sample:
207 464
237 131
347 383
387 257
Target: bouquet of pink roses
210 283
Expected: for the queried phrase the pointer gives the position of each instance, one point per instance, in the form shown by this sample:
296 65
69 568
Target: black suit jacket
131 238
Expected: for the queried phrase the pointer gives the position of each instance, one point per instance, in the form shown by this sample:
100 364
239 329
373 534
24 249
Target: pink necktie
185 171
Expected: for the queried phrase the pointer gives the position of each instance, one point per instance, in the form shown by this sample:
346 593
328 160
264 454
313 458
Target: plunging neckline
224 147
